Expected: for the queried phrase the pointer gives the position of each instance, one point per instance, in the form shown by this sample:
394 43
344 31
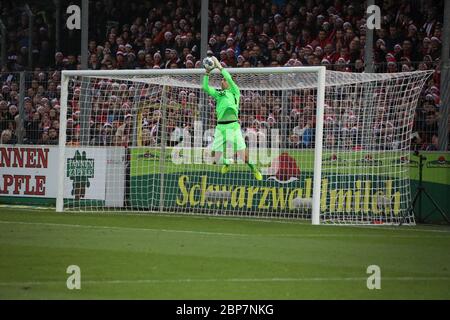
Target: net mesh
139 142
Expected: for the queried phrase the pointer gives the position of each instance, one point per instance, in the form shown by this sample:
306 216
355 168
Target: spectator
8 137
434 146
123 133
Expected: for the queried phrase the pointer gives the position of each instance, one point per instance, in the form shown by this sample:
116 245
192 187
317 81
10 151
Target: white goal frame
319 70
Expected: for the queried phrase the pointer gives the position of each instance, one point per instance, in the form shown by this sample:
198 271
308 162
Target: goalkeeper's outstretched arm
209 90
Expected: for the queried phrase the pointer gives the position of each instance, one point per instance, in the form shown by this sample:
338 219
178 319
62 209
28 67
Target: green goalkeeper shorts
228 134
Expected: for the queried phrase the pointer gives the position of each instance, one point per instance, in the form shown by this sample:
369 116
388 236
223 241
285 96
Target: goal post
315 218
332 147
62 142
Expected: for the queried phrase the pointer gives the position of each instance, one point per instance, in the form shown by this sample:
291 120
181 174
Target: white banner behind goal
332 147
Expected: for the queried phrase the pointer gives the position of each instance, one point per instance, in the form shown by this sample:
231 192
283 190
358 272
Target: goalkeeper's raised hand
217 63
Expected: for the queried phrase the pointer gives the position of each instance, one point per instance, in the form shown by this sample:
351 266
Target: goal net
331 146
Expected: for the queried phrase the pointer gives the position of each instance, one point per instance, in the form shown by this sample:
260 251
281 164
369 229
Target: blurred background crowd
250 33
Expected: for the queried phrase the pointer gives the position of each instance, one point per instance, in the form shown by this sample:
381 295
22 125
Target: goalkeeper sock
252 166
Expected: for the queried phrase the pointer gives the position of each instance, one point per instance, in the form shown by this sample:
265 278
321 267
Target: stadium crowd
138 35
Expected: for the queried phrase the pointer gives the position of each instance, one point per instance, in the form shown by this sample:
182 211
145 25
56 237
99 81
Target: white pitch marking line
238 218
119 228
143 281
300 235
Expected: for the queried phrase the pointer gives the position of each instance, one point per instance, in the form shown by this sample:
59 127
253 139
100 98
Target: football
208 63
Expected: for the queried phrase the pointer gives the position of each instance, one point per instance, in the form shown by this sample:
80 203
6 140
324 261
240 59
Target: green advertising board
157 184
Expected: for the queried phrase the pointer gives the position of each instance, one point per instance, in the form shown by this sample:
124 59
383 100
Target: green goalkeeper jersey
227 101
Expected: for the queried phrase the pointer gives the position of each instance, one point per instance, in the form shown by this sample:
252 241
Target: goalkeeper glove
217 63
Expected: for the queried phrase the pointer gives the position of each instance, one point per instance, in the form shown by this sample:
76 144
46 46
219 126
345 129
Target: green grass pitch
125 256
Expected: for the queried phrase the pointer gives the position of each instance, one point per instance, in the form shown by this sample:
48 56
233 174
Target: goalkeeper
228 129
